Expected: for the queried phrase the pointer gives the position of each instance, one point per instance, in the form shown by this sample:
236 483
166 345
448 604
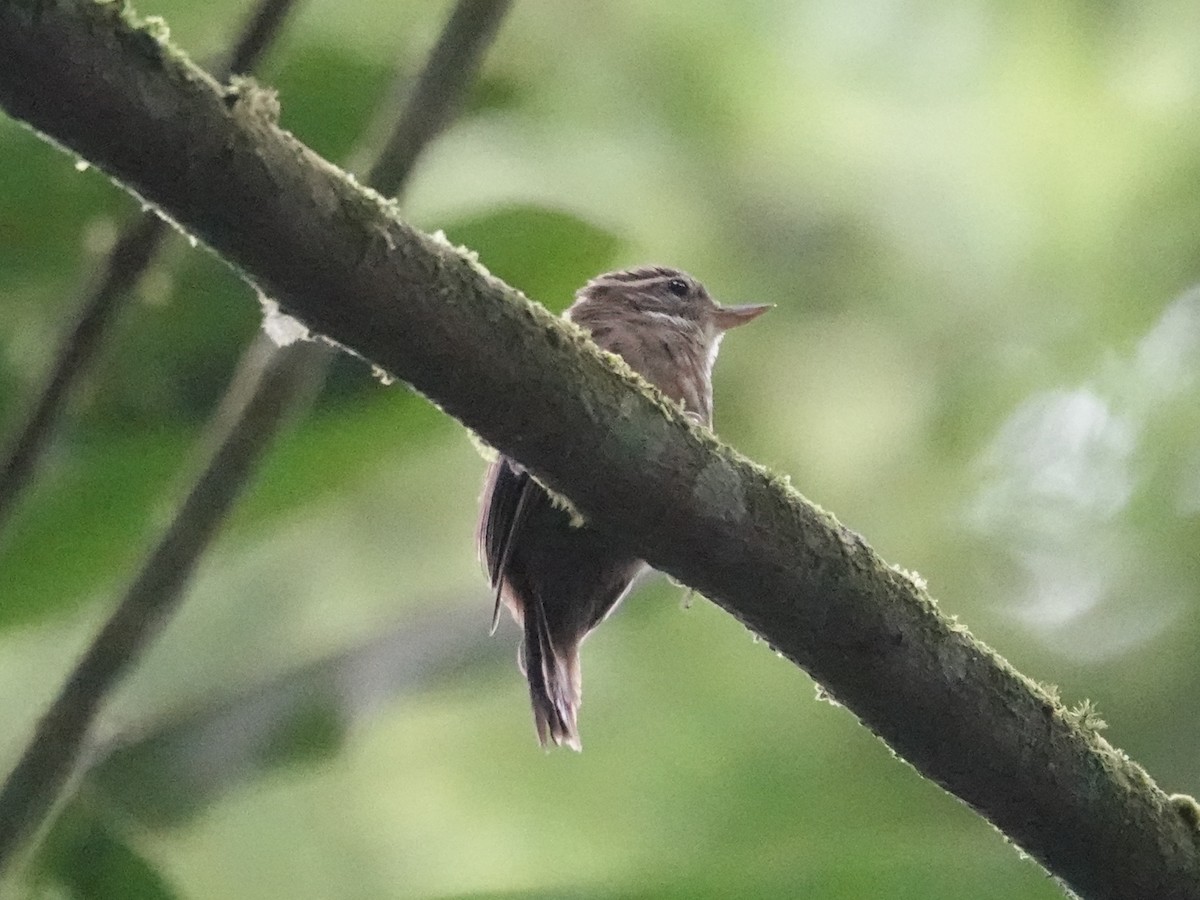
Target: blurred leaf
328 95
82 525
171 355
495 92
172 770
341 443
44 210
312 732
546 253
88 859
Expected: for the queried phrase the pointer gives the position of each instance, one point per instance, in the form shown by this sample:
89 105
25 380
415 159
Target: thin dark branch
135 247
263 25
49 759
338 257
277 380
439 90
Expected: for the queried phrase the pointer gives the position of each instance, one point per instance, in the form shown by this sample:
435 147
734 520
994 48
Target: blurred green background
980 222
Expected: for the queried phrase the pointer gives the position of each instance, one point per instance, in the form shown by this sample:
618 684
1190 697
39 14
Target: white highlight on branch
281 328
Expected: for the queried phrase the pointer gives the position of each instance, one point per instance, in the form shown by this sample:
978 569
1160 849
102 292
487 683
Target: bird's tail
554 680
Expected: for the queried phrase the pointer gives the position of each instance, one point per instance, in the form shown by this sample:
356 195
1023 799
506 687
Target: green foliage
89 859
977 222
329 94
172 775
87 523
540 251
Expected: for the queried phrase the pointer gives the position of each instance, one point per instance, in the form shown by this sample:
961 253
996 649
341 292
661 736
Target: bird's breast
678 365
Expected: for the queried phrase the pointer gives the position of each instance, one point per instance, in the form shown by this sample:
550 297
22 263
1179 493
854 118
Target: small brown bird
560 581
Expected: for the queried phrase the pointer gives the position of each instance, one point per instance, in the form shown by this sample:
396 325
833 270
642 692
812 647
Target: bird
560 579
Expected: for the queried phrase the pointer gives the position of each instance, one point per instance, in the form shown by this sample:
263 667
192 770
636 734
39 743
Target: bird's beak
732 316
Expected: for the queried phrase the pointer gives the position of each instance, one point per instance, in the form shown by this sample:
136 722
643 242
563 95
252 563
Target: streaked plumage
560 582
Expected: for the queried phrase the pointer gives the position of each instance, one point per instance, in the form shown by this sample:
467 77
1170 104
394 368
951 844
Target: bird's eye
678 287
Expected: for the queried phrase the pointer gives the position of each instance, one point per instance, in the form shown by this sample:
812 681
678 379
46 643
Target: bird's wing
507 495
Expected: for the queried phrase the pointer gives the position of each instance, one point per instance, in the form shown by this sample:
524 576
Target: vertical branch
263 25
439 89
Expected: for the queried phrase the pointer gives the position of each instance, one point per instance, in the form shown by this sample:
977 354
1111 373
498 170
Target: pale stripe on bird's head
650 295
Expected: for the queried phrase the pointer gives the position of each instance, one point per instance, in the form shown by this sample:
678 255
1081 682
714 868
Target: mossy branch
270 385
339 258
106 293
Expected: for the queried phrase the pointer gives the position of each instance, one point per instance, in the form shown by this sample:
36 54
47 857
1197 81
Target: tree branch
339 258
439 90
47 763
137 244
264 23
135 247
270 384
